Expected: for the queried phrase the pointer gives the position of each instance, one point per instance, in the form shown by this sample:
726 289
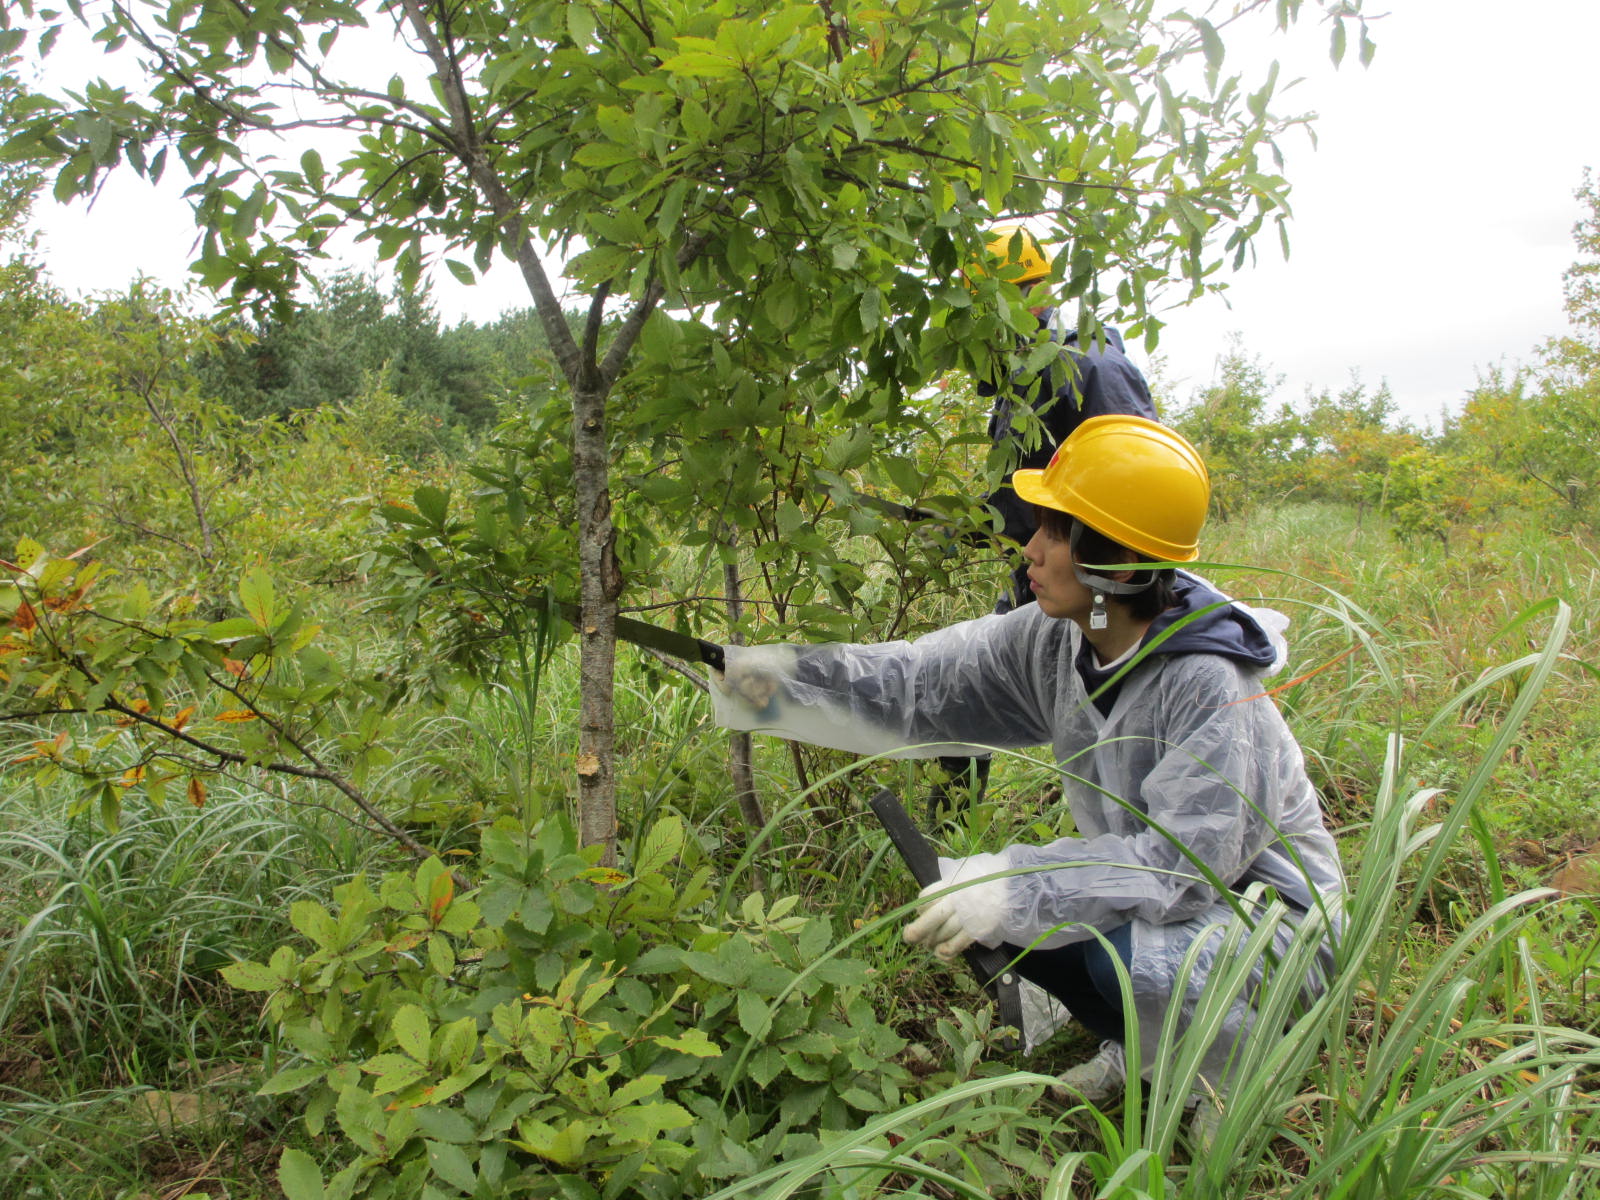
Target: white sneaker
1101 1078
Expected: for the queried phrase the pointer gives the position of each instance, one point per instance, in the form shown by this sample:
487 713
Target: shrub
565 1029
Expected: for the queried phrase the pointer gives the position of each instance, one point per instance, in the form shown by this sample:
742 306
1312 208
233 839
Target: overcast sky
1432 222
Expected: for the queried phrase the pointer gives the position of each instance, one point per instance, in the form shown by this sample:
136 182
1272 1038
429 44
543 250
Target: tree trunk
601 584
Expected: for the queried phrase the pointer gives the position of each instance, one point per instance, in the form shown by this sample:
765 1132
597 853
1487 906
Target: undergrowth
1430 691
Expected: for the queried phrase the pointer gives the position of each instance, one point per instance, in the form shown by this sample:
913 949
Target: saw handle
712 655
992 967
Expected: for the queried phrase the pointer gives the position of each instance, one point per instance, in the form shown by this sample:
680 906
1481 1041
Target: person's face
1050 576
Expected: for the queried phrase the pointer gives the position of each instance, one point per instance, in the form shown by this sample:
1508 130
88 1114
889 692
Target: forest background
290 715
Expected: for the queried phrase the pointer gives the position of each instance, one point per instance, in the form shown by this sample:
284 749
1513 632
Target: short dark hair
1095 547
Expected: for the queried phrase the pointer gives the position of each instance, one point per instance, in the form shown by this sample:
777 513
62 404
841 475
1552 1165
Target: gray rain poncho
1192 747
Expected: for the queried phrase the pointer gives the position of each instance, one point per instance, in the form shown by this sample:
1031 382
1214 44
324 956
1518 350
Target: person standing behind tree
1096 380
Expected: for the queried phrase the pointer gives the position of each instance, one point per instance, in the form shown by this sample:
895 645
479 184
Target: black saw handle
992 967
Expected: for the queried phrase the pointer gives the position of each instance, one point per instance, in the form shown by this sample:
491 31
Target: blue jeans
1083 976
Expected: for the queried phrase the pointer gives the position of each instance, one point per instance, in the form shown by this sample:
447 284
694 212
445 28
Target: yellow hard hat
1131 479
1014 254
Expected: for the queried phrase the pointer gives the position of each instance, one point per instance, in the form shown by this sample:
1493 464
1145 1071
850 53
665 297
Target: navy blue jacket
1098 380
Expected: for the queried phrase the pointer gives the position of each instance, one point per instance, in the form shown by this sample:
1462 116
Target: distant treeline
131 417
351 338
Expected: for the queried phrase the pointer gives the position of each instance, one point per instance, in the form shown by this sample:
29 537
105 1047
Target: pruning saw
655 637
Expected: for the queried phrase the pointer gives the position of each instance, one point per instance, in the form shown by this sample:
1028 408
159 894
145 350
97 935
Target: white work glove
952 922
746 694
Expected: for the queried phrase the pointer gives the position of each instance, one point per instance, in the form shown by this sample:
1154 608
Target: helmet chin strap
1101 585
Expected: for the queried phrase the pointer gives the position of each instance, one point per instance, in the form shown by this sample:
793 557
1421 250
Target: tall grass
110 943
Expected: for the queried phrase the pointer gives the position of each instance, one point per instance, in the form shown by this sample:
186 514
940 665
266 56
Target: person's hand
948 924
938 926
750 682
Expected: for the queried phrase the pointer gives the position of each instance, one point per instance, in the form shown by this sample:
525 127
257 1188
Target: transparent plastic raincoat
1191 753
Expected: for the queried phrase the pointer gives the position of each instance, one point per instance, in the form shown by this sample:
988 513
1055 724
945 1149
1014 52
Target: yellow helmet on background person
1013 253
1133 480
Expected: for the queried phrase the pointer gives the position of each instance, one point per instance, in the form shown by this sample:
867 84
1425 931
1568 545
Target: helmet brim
1029 485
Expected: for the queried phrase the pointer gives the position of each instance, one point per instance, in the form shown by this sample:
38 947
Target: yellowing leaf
235 714
197 792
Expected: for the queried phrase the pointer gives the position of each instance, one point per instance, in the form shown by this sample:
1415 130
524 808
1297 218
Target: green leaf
461 271
256 594
451 1164
662 844
871 309
1211 42
709 966
299 1176
457 1042
445 1125
690 1041
411 1032
700 64
229 630
311 919
636 1090
754 1016
110 806
644 1123
394 1073
251 977
580 28
433 503
564 1146
290 1079
605 154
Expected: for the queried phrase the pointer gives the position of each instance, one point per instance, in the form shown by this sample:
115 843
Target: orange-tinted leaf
235 714
235 667
132 776
182 719
23 618
440 892
197 792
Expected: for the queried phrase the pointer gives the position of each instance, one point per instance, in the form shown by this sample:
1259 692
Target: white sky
1432 222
